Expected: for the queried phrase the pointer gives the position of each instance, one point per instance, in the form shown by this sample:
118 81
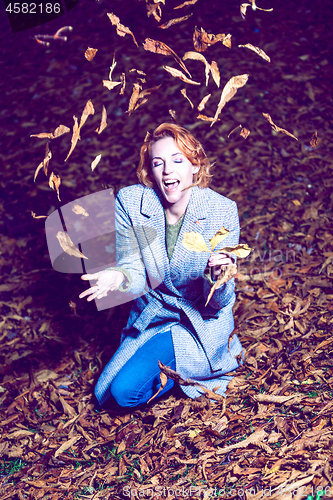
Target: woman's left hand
219 261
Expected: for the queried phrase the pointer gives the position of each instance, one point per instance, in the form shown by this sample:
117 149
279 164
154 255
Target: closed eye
157 163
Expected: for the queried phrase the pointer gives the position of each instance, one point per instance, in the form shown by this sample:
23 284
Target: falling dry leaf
202 40
90 53
234 130
178 74
95 162
110 85
203 102
45 163
75 137
77 209
134 97
123 84
103 123
172 22
194 242
68 246
207 118
161 48
244 133
185 4
229 91
215 73
54 183
154 9
198 57
53 135
276 128
257 50
121 29
183 92
88 110
38 216
227 273
244 6
172 113
219 236
313 142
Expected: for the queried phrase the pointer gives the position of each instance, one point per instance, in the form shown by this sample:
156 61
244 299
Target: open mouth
171 185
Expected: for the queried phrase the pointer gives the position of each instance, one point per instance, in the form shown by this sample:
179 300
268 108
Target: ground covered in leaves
272 435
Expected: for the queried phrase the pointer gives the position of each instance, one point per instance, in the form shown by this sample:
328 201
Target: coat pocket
148 313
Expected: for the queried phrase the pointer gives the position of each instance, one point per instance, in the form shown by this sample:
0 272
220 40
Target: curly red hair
187 144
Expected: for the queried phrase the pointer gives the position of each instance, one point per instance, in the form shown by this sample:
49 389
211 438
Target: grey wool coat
171 295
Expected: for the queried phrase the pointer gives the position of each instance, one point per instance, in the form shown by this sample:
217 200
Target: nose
167 167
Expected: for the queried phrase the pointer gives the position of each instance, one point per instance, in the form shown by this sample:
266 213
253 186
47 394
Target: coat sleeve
223 295
128 252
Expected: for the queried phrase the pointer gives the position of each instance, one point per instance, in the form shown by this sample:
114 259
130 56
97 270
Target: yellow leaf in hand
241 251
194 242
218 237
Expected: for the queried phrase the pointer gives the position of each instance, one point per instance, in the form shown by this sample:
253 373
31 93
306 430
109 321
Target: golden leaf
54 183
68 246
158 47
229 91
202 40
215 73
38 216
172 22
121 29
103 123
228 273
184 4
123 84
110 85
90 53
183 92
219 236
88 110
276 128
242 250
313 142
196 56
207 118
178 74
203 102
244 133
62 129
194 242
45 163
257 50
75 137
95 162
164 380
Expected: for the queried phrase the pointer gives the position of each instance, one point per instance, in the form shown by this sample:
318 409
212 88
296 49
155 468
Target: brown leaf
54 183
244 6
38 216
162 48
229 91
203 102
90 53
185 4
68 444
45 163
226 274
313 142
270 398
134 97
62 129
95 162
75 137
183 92
257 50
244 132
241 250
178 74
202 40
121 29
215 73
172 22
123 84
110 85
256 438
103 123
154 9
88 110
164 380
194 242
219 236
77 209
276 128
207 118
198 57
172 113
68 246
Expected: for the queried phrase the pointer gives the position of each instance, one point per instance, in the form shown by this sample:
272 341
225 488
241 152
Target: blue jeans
139 379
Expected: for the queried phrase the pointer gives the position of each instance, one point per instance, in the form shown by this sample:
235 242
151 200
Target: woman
169 321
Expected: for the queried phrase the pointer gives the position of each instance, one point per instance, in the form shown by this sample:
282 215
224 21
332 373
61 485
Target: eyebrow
174 154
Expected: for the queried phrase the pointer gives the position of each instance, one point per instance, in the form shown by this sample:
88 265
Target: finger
90 276
87 292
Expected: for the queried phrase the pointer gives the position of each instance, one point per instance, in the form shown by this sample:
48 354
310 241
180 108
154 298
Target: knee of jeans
121 393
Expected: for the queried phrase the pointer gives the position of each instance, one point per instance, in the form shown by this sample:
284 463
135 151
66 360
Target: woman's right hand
107 280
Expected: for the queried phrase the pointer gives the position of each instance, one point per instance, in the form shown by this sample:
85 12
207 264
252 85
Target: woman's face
172 172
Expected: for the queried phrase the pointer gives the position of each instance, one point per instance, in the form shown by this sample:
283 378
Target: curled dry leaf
162 48
154 9
45 163
178 74
234 130
215 72
103 123
196 56
313 142
110 85
38 216
219 236
256 438
207 118
77 209
172 113
202 40
54 183
68 246
65 446
173 375
270 398
90 53
194 242
185 4
244 133
227 273
121 29
52 135
88 110
241 250
75 137
229 91
163 379
244 6
276 128
95 162
123 84
112 67
138 71
183 92
203 102
257 50
172 22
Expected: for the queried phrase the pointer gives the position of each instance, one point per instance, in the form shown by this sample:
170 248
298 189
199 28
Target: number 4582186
33 8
